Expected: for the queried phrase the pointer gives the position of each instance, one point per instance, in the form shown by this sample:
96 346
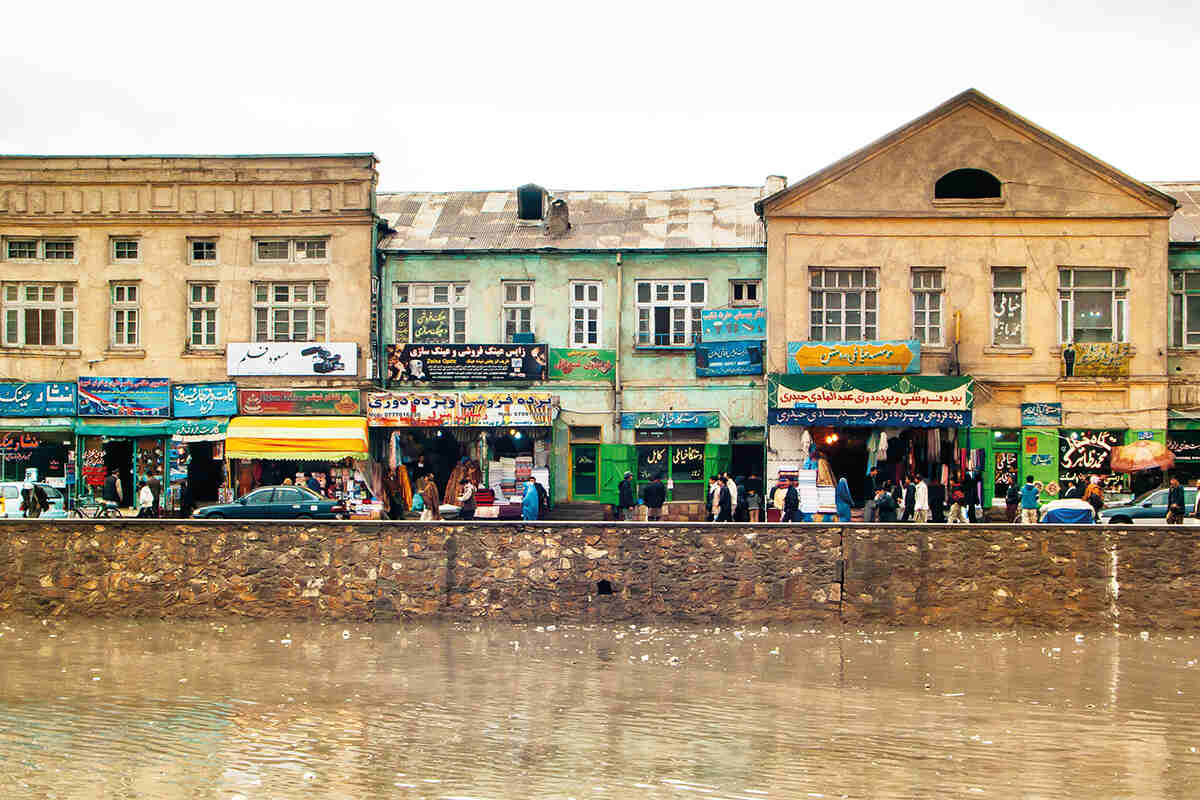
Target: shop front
123 429
1183 439
36 432
197 454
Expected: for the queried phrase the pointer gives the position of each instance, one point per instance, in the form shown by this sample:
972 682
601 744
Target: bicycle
95 510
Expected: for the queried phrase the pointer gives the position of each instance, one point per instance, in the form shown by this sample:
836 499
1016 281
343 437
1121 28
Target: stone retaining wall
864 575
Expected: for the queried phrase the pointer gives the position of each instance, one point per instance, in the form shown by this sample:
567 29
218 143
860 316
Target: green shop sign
654 420
582 365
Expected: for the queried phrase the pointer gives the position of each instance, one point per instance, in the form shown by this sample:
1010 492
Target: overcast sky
572 95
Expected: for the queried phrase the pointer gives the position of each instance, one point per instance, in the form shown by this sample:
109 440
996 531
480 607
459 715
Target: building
969 293
144 296
563 329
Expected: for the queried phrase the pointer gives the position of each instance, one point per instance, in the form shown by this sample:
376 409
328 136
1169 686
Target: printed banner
733 324
671 419
1084 453
124 397
1185 445
201 429
467 362
860 392
336 359
37 399
412 409
204 399
582 365
1096 360
1041 415
806 358
532 408
729 358
881 417
300 401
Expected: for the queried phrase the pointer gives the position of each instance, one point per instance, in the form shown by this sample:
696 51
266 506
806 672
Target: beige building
1003 253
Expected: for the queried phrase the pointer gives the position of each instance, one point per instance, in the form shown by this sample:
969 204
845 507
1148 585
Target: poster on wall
509 408
412 409
729 358
1096 360
733 324
333 359
421 363
124 397
330 402
806 358
582 365
1006 474
53 399
1084 453
204 399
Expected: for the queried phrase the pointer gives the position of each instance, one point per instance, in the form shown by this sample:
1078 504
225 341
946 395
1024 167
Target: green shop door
585 472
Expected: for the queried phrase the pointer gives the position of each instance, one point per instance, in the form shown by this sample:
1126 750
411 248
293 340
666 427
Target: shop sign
344 402
1041 459
1041 415
671 419
582 365
806 358
467 362
861 400
124 397
37 399
312 359
729 358
18 446
1082 454
880 417
733 324
1006 473
1096 360
204 399
1185 445
530 408
412 409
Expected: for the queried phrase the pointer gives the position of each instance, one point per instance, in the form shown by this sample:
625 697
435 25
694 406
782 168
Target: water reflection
117 709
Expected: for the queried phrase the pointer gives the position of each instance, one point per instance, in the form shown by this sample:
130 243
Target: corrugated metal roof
1185 225
720 217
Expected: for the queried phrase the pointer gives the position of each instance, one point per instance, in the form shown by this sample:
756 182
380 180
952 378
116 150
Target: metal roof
192 155
1185 225
713 218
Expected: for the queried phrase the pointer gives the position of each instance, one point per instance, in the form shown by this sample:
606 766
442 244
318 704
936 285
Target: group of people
1023 503
654 496
730 500
912 499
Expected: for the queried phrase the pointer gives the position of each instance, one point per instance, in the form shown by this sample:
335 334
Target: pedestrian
112 490
187 503
625 498
312 483
843 500
543 499
885 504
1029 502
724 501
714 498
791 503
1074 491
937 501
1175 503
33 500
741 505
1094 495
1012 501
869 492
958 503
654 495
530 503
466 500
145 500
910 499
431 499
155 489
921 501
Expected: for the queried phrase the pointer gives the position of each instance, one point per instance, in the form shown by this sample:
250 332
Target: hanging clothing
806 442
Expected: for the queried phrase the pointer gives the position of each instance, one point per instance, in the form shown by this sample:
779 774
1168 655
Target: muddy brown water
124 709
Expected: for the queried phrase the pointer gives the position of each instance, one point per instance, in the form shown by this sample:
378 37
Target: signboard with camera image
421 363
314 359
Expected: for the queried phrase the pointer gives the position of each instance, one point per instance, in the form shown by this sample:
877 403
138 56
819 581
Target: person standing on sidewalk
920 508
655 494
1029 502
1175 503
625 499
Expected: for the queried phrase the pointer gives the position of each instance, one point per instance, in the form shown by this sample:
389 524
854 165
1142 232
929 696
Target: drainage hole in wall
603 587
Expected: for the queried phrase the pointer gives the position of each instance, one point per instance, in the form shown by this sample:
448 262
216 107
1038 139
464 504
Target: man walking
1175 503
1029 502
724 501
921 502
625 501
655 494
791 503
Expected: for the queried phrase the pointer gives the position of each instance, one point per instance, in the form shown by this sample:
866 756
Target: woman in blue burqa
530 502
844 500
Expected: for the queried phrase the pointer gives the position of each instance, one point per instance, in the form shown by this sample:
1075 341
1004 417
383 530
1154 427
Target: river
252 709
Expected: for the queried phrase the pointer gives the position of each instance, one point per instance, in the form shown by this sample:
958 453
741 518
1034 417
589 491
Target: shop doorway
118 460
846 451
440 448
746 460
205 474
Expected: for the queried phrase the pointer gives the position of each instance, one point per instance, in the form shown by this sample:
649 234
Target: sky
612 95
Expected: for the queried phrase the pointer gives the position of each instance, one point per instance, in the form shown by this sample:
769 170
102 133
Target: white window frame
297 247
40 249
834 294
1005 295
204 262
1117 288
408 297
1185 331
204 311
122 312
745 284
268 310
585 311
516 309
112 249
928 291
15 303
683 330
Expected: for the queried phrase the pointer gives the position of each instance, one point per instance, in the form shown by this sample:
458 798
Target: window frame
1118 289
203 306
203 262
927 291
121 310
647 337
867 289
292 249
458 299
734 283
271 306
518 306
1009 290
1179 316
20 305
587 306
40 249
113 241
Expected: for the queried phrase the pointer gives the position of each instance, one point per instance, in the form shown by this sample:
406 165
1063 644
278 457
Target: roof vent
531 203
558 221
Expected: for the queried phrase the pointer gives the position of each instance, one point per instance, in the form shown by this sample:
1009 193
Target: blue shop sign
670 419
1041 415
869 417
124 397
204 399
53 399
729 358
733 324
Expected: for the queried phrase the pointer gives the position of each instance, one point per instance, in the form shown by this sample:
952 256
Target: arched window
967 184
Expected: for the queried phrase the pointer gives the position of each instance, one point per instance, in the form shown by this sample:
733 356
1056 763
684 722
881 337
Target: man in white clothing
921 502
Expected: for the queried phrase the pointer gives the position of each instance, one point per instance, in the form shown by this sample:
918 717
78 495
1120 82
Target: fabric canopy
297 438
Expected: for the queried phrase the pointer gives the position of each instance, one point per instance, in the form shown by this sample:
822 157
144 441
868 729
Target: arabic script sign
1185 445
1034 415
335 359
854 357
823 397
124 397
1096 360
421 363
729 358
300 401
37 399
582 365
1082 454
885 417
529 408
204 399
671 419
733 324
412 409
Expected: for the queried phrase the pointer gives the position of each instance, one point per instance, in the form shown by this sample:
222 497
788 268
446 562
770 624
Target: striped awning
297 438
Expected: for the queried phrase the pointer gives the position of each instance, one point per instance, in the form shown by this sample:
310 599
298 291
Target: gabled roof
714 218
1185 225
970 97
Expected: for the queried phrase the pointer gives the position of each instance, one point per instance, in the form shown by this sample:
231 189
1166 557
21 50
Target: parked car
1150 509
275 502
10 500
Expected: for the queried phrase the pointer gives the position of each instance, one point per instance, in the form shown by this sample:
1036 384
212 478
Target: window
125 307
289 312
1185 309
22 249
967 184
125 249
39 249
1091 304
291 250
39 314
927 305
744 293
844 305
204 251
518 308
1008 306
585 313
681 464
202 315
669 312
430 313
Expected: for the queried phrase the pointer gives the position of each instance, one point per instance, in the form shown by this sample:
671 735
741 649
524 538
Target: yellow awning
297 438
